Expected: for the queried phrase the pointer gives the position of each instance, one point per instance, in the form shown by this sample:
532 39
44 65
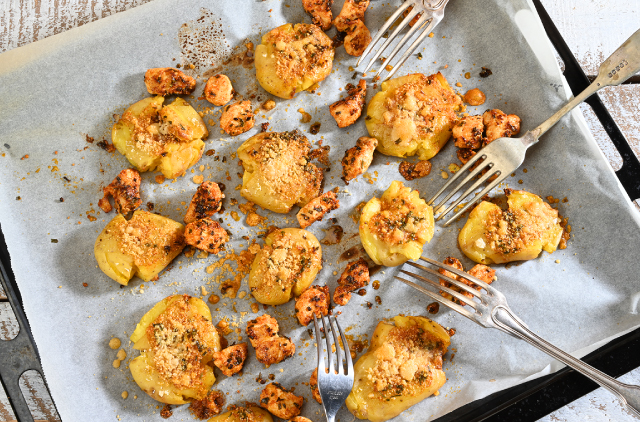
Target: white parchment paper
58 90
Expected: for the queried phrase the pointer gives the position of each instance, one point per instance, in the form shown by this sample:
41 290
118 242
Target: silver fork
492 311
430 15
504 155
334 386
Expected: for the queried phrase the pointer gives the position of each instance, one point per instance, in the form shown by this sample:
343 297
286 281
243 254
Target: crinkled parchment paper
58 90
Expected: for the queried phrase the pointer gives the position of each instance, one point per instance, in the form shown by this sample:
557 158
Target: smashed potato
167 138
277 171
413 115
285 266
520 233
402 367
142 246
291 59
243 414
177 341
394 228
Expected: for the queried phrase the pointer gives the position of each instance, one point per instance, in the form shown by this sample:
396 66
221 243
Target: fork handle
620 66
629 395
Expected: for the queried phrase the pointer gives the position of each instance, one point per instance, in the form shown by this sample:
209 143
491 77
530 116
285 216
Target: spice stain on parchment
203 42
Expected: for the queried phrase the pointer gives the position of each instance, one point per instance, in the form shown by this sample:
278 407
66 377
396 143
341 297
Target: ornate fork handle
505 320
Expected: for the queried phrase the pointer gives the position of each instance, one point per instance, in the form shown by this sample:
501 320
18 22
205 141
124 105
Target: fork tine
456 271
452 179
393 35
319 345
466 193
404 40
482 193
470 175
346 351
438 298
336 341
412 48
451 280
453 293
328 341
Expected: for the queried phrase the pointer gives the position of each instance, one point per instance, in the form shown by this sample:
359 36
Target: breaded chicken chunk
412 171
280 402
125 190
355 276
347 110
313 384
206 202
269 346
218 90
467 133
357 160
317 208
237 118
206 234
209 406
231 359
479 271
300 419
320 11
314 301
167 80
497 124
357 39
352 11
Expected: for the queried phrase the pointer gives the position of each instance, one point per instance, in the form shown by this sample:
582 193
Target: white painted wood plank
8 324
6 413
37 397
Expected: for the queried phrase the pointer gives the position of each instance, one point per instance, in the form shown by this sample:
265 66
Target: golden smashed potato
394 228
285 266
142 246
277 171
243 414
153 137
402 367
177 341
291 59
413 115
520 233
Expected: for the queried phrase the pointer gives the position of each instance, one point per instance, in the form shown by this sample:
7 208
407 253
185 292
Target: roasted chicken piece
314 301
269 346
480 271
313 384
412 171
497 124
317 208
280 402
300 419
357 160
467 133
218 90
357 39
347 110
465 154
206 234
209 406
125 190
167 80
320 12
231 359
237 118
352 11
355 276
206 202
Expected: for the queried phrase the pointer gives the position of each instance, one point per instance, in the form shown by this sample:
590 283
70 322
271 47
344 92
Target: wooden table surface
592 29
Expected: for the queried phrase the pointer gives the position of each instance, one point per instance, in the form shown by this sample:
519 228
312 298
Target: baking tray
522 402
